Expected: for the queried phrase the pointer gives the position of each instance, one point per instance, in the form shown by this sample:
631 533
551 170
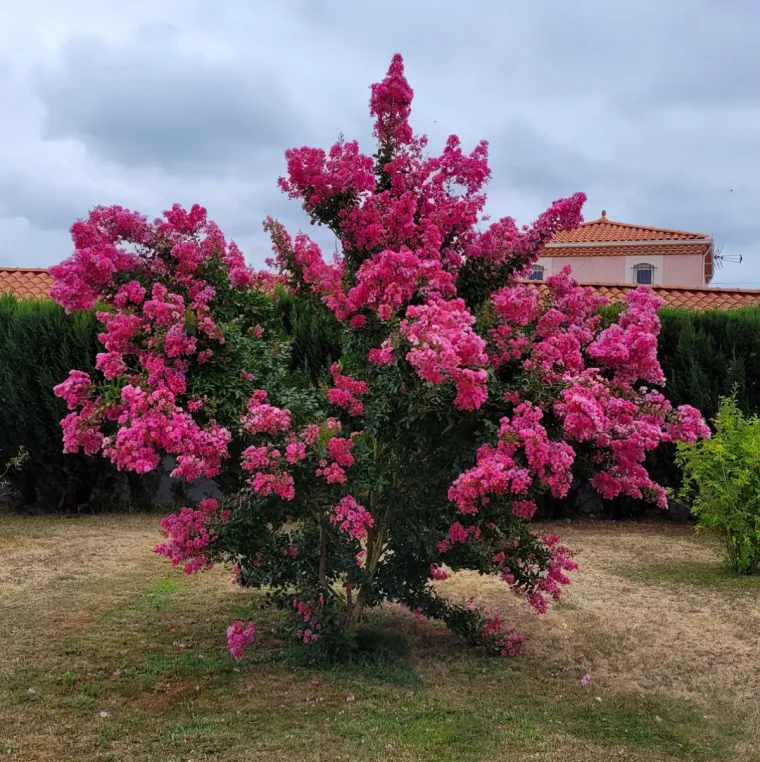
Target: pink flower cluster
438 573
352 519
629 347
414 231
239 637
263 418
75 390
337 458
531 579
121 258
309 633
501 640
565 328
444 346
81 280
391 104
560 342
269 468
318 178
686 425
268 473
346 390
389 280
189 536
503 242
624 426
151 422
458 533
524 457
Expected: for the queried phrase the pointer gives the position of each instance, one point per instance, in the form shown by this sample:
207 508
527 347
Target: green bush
39 344
722 474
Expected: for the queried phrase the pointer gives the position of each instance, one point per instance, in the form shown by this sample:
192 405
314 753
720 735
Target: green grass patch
157 596
696 574
147 646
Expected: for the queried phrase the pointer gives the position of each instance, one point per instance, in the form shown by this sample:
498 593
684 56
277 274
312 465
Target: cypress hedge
39 344
705 355
708 355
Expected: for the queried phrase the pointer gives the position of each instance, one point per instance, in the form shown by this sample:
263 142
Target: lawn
109 653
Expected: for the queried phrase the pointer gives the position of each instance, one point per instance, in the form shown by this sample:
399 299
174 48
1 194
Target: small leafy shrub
14 464
723 476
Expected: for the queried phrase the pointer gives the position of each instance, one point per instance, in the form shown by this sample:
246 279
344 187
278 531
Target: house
604 251
615 257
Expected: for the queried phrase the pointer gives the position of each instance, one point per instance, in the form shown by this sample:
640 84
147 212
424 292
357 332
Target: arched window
643 273
537 273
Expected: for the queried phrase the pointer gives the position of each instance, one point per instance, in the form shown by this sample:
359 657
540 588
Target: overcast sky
650 107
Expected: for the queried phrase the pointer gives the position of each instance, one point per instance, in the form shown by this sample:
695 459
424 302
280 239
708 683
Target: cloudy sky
652 108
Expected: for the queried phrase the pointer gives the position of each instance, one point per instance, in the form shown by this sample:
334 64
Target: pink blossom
346 391
111 364
445 346
382 356
437 573
391 104
503 641
239 637
75 389
686 425
130 292
457 533
352 519
189 537
263 418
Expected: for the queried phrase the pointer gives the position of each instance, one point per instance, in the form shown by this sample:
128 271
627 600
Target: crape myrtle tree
460 396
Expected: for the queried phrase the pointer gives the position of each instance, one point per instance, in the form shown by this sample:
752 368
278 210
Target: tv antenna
719 258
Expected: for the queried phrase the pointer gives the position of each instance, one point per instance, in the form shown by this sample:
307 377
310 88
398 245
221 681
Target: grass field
109 653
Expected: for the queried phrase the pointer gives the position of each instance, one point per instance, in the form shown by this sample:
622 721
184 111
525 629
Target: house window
644 274
537 273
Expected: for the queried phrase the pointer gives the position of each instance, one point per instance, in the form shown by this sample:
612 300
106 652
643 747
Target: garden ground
109 653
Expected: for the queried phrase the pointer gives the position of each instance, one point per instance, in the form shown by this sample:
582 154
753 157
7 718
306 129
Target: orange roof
679 296
25 281
605 230
36 282
614 249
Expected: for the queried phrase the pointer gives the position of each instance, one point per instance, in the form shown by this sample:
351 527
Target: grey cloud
725 213
525 157
531 160
149 102
651 107
45 208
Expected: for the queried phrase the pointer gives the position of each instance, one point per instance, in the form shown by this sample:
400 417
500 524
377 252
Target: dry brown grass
671 641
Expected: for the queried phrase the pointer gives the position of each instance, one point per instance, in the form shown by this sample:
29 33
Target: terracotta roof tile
25 281
605 229
36 282
679 296
621 250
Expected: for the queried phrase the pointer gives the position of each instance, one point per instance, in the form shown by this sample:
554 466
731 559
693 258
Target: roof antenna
719 258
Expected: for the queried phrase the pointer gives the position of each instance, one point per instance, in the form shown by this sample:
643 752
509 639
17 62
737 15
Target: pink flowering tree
460 397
